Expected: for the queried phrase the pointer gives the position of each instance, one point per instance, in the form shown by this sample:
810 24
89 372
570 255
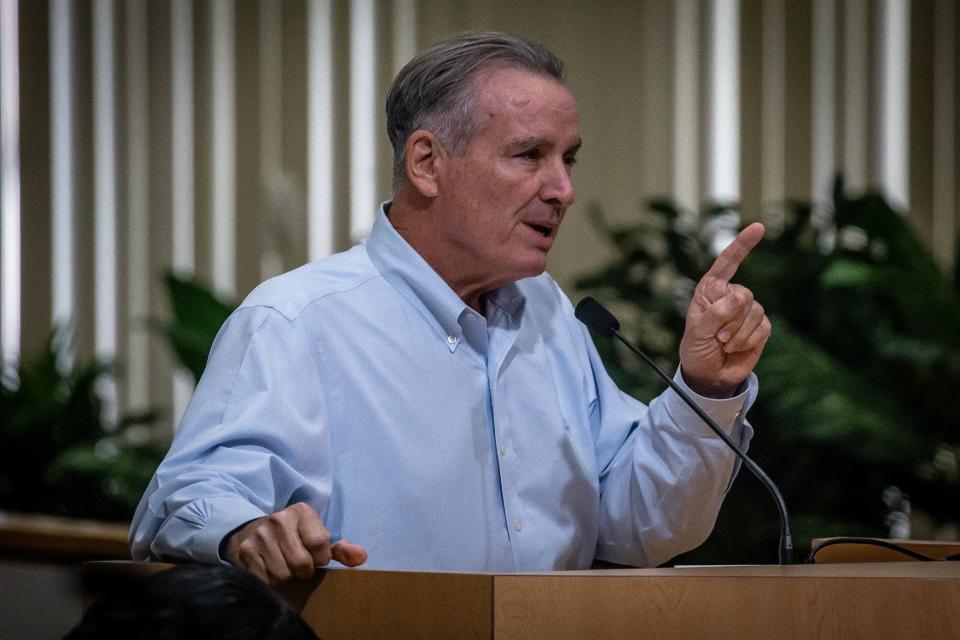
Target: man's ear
423 156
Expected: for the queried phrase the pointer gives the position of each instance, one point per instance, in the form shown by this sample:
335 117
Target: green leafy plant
197 315
58 455
858 383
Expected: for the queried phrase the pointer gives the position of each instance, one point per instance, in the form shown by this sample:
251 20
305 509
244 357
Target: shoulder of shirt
290 293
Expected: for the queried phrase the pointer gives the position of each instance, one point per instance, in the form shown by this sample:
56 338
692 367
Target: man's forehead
525 100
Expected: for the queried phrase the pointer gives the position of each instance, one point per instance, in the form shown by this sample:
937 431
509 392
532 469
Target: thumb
348 554
714 316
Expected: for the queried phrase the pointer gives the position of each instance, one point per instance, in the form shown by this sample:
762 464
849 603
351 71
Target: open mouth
543 230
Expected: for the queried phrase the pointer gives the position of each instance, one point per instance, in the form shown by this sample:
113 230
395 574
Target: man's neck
411 219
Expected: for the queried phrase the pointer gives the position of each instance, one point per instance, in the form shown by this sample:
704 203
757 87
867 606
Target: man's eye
570 160
530 154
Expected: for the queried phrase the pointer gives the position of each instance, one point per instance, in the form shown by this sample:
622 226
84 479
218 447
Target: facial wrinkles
552 180
543 117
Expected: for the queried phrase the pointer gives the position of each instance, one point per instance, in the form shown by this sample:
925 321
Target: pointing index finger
730 259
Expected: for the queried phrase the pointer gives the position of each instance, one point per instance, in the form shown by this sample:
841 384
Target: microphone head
596 317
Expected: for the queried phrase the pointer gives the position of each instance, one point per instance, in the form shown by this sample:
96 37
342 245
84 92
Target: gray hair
433 91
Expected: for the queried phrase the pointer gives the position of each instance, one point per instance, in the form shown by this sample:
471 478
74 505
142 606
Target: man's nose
558 184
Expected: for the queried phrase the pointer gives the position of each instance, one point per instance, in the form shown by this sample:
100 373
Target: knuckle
727 306
247 549
275 520
302 559
287 515
316 539
260 536
304 511
299 508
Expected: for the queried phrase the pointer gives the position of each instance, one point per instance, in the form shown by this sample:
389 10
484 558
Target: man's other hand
726 328
289 543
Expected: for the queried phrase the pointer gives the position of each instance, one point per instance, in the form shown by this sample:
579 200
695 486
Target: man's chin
533 269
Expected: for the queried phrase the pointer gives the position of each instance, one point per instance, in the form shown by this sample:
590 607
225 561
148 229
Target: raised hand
289 543
726 328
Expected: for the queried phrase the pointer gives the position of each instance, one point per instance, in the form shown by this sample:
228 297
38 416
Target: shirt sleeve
253 440
664 472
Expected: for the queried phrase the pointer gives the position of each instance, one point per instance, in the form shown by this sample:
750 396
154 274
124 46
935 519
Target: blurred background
159 159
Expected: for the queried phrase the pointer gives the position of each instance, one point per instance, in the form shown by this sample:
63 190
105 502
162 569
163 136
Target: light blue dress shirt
437 438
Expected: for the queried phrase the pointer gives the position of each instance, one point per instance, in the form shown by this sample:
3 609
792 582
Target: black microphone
599 320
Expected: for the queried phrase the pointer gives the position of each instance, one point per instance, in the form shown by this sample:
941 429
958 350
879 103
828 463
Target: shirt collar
509 300
422 287
414 279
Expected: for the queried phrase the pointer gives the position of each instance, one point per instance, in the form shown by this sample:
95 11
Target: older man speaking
429 394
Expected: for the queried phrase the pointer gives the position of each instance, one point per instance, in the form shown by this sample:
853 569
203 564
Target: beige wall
626 65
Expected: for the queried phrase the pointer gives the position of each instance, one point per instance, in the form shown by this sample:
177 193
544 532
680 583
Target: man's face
504 198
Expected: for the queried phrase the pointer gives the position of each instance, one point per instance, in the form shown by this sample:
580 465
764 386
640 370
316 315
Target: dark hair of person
192 601
434 90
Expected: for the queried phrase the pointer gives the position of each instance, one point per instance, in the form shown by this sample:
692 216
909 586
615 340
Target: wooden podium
876 601
844 601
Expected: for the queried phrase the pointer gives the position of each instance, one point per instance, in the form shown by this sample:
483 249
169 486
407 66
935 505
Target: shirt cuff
726 412
221 516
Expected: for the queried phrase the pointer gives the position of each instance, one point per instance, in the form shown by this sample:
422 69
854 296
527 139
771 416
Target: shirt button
503 448
452 339
517 525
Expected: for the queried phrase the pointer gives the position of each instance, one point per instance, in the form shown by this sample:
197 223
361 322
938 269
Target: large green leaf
198 314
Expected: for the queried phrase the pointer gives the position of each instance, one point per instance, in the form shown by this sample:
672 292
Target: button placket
508 494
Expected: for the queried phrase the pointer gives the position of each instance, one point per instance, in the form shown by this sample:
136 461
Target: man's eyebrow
528 143
538 141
